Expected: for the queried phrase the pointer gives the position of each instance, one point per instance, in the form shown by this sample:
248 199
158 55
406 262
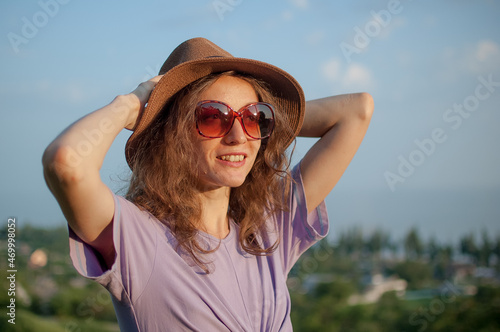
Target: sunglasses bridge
266 124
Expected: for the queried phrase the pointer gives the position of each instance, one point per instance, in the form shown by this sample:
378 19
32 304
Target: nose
237 134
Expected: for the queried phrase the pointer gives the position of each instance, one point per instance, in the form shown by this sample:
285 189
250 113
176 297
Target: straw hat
199 57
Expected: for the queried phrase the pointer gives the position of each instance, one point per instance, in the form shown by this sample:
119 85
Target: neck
214 218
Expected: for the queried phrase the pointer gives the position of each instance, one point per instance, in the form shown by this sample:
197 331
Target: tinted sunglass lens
258 120
213 120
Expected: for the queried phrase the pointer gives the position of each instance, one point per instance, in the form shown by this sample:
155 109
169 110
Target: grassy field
29 322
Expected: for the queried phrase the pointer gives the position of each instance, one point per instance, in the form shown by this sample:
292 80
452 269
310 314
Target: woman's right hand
140 97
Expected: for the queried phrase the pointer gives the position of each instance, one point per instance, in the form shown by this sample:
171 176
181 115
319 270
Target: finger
155 79
144 90
148 86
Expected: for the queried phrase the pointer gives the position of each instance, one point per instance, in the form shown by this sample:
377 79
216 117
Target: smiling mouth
232 158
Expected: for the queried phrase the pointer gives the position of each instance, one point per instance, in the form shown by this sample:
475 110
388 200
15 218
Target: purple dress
155 287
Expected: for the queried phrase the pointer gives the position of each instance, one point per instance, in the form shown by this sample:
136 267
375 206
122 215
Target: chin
227 183
235 182
238 185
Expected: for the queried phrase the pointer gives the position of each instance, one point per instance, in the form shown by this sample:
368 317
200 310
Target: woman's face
215 154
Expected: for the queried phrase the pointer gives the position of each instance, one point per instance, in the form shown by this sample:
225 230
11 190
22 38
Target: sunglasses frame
235 116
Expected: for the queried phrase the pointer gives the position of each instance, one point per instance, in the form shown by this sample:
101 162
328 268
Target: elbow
61 166
365 106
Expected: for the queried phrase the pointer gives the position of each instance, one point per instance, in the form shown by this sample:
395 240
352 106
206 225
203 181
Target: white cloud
429 21
287 15
75 92
331 69
483 58
357 74
480 58
395 24
487 50
43 85
354 76
316 37
303 4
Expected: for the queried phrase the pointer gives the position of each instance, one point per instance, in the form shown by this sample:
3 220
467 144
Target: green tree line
61 300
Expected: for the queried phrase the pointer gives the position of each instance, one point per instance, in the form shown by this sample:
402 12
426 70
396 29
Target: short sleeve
299 230
135 241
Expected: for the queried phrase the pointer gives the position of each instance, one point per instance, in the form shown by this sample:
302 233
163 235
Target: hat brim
287 91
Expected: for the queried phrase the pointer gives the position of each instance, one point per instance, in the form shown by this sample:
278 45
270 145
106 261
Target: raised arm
341 122
71 165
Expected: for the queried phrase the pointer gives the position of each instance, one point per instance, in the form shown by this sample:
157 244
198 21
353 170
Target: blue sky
430 158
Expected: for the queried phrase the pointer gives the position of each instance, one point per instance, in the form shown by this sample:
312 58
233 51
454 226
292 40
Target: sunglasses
215 119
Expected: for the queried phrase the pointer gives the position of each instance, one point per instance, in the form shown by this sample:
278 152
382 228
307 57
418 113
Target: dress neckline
229 236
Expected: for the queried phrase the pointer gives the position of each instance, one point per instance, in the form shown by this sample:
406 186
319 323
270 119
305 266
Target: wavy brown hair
164 180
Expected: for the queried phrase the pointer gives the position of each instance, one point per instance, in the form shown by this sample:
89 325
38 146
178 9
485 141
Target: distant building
38 259
377 287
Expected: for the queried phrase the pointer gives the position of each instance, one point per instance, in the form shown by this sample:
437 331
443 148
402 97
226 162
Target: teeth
233 158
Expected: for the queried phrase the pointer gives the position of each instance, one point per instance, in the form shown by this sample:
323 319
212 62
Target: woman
214 218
